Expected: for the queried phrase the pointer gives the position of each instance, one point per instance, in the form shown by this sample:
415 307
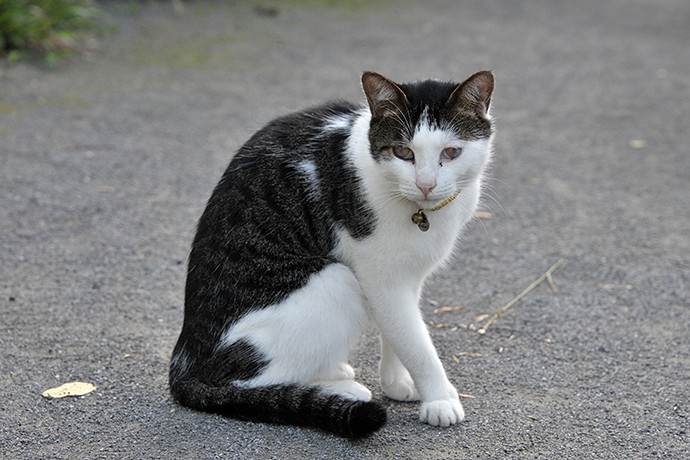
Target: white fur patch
308 167
337 123
307 338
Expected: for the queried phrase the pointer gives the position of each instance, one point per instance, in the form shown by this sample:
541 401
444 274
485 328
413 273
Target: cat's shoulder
324 116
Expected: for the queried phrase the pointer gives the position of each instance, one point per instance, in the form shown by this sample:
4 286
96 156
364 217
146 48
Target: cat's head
430 138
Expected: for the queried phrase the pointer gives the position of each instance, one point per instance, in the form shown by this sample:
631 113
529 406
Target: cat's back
287 187
293 174
303 132
299 153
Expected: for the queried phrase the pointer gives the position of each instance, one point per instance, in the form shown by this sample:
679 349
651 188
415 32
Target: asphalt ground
107 161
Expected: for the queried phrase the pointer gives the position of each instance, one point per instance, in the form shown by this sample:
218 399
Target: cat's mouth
435 204
426 204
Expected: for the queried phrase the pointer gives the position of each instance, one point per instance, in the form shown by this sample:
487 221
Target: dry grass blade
448 309
468 353
519 297
552 285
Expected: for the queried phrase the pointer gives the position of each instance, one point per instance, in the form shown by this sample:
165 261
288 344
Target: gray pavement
106 163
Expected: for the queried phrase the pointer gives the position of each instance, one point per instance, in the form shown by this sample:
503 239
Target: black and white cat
323 220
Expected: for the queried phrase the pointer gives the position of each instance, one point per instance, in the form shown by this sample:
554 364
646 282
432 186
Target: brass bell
420 220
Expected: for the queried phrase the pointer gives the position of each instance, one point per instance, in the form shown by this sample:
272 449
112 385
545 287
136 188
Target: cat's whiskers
393 195
481 221
402 116
489 192
492 179
450 124
392 199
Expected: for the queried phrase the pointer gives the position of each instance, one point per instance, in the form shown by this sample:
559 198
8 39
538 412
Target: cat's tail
285 404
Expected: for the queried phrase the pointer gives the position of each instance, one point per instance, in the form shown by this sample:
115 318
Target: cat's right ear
475 92
382 94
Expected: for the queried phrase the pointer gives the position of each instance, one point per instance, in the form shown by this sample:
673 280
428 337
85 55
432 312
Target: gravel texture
108 159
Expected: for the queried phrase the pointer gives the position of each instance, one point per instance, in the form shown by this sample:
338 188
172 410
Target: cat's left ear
475 92
382 94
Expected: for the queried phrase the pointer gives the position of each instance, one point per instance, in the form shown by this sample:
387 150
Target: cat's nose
426 188
425 180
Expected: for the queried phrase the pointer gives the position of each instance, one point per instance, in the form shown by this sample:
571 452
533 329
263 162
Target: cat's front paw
442 412
401 389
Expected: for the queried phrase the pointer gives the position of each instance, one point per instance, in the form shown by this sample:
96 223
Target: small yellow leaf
69 389
637 144
463 395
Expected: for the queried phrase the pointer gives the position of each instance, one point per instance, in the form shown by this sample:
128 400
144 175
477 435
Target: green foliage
50 28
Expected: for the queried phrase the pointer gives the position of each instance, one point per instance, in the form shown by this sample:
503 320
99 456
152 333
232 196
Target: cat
326 219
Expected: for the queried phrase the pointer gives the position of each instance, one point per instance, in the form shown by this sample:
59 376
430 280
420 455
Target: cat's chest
398 246
406 242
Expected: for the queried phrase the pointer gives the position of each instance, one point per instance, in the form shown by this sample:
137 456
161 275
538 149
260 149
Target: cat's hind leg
344 372
341 381
307 338
348 389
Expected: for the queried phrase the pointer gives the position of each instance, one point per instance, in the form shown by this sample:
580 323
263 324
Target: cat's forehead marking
429 137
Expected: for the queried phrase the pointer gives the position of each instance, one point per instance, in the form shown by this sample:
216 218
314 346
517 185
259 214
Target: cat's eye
403 153
451 153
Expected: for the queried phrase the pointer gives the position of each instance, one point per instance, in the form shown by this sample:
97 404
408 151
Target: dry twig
519 297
